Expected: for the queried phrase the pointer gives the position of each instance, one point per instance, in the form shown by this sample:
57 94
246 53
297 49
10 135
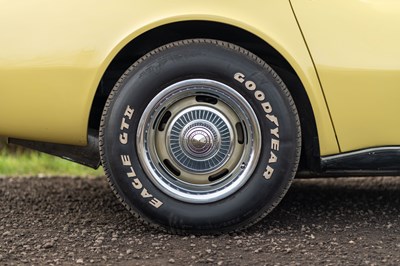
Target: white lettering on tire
123 136
127 163
266 106
136 184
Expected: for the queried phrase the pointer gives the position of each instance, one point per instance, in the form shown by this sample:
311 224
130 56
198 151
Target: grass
40 164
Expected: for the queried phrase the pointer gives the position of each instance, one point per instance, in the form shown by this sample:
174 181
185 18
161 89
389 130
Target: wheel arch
163 34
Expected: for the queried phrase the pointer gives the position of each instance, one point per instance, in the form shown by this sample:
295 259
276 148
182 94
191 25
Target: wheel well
212 30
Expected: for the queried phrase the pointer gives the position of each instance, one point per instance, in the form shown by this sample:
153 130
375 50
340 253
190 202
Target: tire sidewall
236 68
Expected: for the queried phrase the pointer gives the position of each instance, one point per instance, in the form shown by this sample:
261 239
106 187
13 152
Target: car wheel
200 136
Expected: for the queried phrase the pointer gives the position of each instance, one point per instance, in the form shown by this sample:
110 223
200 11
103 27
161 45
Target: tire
200 136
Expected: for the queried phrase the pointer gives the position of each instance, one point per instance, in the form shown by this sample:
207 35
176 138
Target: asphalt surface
71 221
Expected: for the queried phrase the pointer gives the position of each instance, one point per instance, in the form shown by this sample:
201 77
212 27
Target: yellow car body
340 60
354 45
55 54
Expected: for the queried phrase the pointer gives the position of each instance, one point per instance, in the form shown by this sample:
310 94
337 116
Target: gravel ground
79 221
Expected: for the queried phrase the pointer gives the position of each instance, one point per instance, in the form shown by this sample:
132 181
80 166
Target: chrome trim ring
198 140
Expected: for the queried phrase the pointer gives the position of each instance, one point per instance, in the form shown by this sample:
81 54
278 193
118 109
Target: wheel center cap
199 140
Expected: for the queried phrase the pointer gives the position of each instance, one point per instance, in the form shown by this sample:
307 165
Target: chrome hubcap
198 141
